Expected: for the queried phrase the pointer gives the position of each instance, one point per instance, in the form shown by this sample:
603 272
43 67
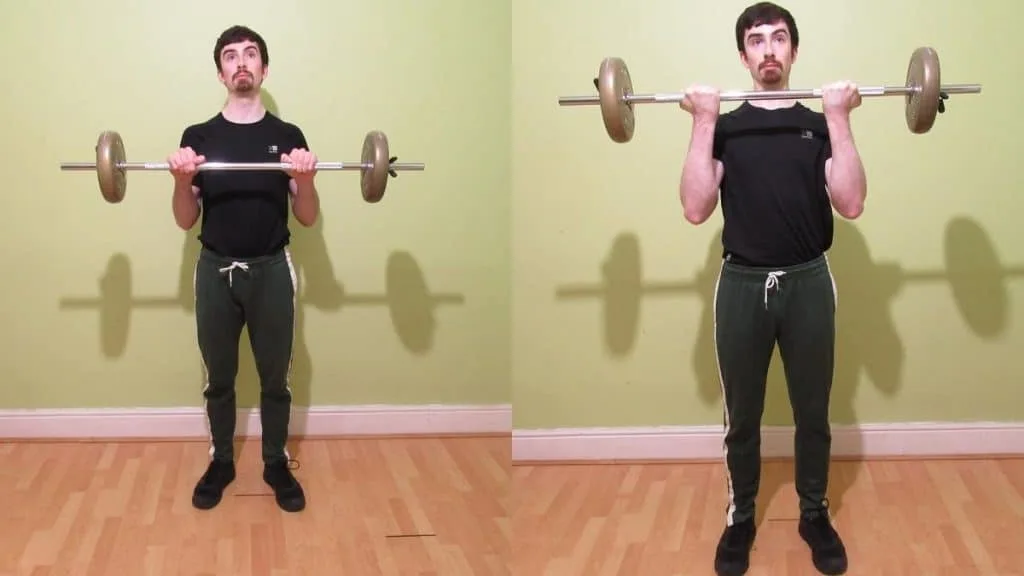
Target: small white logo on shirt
272 149
807 135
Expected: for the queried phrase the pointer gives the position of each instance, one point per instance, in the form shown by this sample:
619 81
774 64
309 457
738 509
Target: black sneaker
732 558
210 488
827 550
287 491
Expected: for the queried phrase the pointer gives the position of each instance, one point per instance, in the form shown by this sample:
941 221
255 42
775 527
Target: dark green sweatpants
755 308
260 295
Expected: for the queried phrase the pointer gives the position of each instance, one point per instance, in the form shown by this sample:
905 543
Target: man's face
241 67
768 54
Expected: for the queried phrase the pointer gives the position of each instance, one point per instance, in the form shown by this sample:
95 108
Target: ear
744 61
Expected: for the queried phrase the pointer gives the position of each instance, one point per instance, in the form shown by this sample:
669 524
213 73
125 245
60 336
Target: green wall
521 199
584 206
423 73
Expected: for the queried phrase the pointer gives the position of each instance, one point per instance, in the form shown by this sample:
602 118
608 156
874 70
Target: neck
772 104
244 108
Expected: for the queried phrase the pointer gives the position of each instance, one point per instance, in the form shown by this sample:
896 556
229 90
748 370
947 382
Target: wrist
183 185
837 115
304 187
705 122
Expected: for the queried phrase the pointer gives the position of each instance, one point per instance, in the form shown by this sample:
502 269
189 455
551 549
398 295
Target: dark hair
240 34
765 13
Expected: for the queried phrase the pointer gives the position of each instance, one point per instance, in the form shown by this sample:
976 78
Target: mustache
770 62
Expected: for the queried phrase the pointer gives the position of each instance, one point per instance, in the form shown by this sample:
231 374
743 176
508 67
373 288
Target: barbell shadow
621 290
410 303
867 340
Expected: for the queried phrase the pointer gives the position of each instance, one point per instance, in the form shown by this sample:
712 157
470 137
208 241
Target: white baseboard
372 420
922 439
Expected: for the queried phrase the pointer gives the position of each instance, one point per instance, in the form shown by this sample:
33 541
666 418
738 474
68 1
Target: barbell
972 270
923 91
111 166
408 299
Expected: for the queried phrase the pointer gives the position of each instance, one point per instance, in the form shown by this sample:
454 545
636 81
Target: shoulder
290 132
280 125
193 134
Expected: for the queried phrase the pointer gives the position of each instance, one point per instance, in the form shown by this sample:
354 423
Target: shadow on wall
407 298
267 99
866 342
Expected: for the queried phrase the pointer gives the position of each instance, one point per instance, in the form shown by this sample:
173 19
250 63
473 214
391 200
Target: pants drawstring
230 269
771 282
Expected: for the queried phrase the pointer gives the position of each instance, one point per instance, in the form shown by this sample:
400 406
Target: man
781 168
244 274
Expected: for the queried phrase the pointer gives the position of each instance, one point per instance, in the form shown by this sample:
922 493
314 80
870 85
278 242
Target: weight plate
109 155
374 180
613 84
923 105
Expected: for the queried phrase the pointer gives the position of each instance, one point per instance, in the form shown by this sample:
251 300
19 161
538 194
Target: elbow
695 211
185 222
306 220
695 217
853 211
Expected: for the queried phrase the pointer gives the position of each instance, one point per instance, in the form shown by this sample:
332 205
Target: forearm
306 203
698 185
846 177
185 205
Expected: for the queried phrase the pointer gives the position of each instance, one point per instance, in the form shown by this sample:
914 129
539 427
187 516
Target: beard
244 83
771 74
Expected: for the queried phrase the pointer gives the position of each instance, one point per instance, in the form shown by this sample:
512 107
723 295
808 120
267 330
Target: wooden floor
441 507
375 507
914 518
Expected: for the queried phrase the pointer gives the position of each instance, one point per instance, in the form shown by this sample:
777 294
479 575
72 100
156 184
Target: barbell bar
111 166
923 91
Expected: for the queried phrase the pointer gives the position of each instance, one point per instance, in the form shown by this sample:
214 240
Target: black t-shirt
244 213
774 197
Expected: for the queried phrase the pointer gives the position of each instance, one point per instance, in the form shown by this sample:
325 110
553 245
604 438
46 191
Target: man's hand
839 98
303 163
702 102
184 163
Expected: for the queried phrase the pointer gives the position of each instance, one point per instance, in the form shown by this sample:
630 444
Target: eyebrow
776 32
233 50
